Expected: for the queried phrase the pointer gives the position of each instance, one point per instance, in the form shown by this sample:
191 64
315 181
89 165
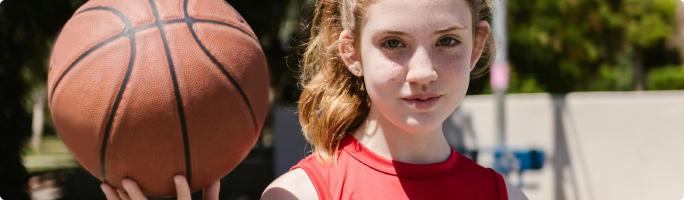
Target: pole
500 71
506 162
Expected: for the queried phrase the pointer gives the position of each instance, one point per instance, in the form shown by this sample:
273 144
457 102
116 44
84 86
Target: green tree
647 23
577 45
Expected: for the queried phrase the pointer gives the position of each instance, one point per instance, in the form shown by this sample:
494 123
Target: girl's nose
421 68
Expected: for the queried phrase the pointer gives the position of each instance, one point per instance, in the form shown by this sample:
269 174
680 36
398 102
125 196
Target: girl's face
416 57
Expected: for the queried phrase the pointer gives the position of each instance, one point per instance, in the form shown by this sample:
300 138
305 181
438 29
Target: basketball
149 89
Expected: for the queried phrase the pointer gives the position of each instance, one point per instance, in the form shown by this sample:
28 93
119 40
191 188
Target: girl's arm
514 193
293 185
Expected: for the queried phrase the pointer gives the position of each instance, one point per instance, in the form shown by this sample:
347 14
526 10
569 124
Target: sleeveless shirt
363 174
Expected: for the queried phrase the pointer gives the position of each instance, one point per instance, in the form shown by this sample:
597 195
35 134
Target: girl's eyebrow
449 29
389 32
439 31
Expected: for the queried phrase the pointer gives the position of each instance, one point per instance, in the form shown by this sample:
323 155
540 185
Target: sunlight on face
416 60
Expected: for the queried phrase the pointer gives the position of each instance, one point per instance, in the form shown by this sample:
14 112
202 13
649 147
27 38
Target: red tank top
362 174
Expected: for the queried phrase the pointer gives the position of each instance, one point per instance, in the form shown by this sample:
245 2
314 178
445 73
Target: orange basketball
148 89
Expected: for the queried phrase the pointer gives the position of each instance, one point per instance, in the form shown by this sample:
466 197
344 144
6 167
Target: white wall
617 145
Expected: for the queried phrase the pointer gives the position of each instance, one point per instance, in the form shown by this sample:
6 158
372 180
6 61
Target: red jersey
362 174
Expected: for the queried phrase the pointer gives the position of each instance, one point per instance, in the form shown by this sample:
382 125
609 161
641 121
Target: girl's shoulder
294 184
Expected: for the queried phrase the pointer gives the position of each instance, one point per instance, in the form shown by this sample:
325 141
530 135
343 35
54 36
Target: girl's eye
447 42
392 43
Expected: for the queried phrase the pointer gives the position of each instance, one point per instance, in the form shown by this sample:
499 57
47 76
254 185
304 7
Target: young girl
380 77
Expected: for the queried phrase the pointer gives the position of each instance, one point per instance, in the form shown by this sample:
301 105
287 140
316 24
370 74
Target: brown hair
334 101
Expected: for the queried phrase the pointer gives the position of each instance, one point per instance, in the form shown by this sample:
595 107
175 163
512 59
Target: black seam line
229 25
240 18
179 101
123 33
121 15
105 42
127 30
190 21
131 35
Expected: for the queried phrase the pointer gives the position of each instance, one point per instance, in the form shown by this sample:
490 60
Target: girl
379 78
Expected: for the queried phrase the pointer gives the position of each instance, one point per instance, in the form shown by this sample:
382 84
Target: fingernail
125 185
176 180
102 187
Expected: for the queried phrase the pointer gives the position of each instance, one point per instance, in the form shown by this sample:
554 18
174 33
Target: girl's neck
387 140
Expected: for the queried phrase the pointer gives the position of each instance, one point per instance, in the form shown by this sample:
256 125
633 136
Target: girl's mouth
422 103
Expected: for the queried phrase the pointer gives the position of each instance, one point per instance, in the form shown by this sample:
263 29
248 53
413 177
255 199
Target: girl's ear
479 40
348 53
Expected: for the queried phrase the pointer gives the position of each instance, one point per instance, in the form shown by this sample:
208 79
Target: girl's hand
182 189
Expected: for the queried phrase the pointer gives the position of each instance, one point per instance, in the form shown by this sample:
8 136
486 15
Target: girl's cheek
456 67
384 78
391 73
454 64
386 69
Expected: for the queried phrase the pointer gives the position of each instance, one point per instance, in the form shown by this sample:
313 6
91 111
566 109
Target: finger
133 189
109 192
182 188
212 192
123 194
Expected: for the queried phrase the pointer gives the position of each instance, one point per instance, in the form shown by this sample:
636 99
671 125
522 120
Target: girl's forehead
417 14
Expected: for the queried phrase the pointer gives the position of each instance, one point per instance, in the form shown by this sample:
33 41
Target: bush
669 77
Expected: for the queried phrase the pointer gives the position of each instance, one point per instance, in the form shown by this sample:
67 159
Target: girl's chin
421 124
414 121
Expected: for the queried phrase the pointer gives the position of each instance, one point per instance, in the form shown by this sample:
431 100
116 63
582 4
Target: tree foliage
578 45
648 22
666 78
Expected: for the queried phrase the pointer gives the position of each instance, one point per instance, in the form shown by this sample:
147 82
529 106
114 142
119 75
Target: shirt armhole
501 191
322 188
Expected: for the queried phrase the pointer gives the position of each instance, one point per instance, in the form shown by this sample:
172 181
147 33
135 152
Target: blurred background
595 104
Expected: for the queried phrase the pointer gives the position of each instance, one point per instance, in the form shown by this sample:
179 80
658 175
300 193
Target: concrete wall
622 145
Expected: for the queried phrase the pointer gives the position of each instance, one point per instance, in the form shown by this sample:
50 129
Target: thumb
212 192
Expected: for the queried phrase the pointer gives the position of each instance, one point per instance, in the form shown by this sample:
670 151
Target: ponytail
333 102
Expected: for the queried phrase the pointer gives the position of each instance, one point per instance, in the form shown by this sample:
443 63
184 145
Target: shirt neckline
358 151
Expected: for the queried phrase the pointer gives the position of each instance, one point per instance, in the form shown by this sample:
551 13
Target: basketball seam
179 100
190 21
131 36
59 80
226 24
98 8
101 44
134 30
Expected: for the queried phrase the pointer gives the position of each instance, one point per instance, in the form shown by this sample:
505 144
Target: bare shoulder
514 193
294 184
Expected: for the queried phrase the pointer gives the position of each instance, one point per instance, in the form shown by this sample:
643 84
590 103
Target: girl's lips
422 104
